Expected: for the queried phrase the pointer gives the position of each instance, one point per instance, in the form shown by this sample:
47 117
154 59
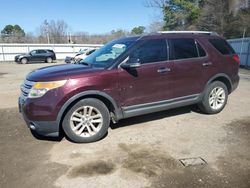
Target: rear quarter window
201 51
222 46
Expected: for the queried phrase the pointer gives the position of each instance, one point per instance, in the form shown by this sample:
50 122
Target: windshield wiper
84 63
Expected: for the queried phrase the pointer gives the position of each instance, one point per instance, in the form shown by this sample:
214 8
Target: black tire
205 106
24 60
104 112
49 60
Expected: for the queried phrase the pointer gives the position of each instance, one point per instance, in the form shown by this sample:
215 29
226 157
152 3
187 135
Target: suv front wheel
87 121
215 98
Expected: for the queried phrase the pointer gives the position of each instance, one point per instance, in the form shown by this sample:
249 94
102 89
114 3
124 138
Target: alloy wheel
217 98
86 121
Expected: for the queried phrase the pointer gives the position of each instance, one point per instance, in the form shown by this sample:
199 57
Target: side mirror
131 63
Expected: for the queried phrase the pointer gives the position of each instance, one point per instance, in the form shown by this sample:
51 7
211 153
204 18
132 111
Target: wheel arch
222 78
28 59
102 96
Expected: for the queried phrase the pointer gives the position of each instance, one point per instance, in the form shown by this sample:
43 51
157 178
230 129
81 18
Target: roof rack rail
192 32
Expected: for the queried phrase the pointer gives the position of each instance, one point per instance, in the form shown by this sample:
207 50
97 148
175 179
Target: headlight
40 88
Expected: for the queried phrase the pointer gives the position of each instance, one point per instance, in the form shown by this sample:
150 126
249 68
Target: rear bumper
43 128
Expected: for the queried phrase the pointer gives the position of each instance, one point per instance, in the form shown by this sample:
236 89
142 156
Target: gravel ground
137 152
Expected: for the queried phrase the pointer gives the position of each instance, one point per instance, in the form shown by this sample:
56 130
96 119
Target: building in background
236 5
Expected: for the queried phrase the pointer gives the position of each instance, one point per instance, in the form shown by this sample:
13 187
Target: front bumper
17 60
43 128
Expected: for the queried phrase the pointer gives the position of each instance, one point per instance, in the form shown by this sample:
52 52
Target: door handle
163 70
207 64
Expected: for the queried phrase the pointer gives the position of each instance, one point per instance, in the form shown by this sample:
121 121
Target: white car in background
82 54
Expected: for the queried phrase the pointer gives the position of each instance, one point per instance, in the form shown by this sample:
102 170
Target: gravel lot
138 152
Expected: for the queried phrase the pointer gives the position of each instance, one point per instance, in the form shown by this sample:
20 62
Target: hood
22 55
61 72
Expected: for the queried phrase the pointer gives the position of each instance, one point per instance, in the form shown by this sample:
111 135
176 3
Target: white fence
9 51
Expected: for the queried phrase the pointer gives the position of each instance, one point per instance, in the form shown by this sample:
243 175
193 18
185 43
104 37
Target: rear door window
183 49
222 46
149 51
41 51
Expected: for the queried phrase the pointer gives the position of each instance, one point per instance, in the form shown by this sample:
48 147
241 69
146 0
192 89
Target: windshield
107 54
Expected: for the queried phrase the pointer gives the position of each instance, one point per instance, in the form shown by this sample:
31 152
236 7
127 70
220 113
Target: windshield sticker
119 46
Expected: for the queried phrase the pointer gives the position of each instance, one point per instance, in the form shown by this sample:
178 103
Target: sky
92 16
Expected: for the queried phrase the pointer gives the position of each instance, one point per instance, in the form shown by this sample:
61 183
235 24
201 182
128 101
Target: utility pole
47 30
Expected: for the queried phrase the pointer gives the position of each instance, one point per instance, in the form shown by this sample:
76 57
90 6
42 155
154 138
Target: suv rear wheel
215 98
87 121
49 60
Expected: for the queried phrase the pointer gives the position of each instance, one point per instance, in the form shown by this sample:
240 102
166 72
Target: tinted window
183 49
33 52
151 51
41 51
201 51
51 51
222 46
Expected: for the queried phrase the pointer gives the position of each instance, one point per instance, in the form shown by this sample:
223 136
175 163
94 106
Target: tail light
236 58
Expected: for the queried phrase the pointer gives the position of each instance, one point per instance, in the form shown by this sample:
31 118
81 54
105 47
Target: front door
34 55
151 82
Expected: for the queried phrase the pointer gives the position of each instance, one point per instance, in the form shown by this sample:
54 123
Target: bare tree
214 16
155 26
54 31
156 3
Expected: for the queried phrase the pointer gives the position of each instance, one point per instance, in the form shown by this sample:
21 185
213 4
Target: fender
118 112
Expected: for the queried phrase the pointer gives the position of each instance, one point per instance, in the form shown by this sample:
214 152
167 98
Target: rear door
188 58
42 55
151 82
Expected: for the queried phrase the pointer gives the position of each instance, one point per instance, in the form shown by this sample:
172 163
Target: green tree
181 15
13 30
138 30
178 14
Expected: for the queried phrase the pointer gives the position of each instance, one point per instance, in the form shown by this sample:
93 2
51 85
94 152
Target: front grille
25 88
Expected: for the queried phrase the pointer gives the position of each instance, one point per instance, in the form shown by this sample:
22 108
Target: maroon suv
130 77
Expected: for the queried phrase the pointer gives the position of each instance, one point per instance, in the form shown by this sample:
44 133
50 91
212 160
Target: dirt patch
75 155
241 127
2 73
145 161
24 159
232 169
189 177
235 164
92 169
